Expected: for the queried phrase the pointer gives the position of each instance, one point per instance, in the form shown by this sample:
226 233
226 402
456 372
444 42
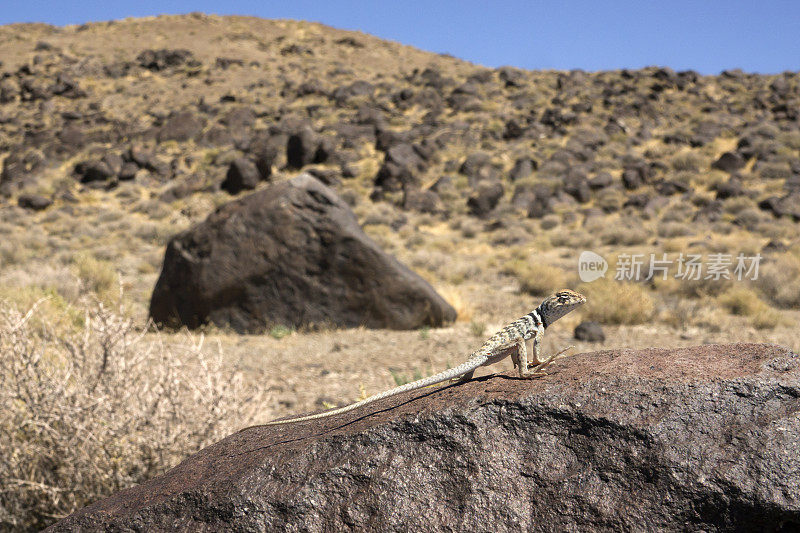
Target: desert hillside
488 183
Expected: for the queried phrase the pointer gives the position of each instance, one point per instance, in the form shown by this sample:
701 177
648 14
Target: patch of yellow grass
741 301
479 249
538 279
720 145
52 309
677 244
780 280
99 276
613 302
736 242
440 229
767 318
687 160
452 295
652 144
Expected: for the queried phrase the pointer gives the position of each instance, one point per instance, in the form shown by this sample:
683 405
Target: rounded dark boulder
34 202
523 167
95 170
424 201
485 198
180 126
590 332
729 162
632 179
242 174
301 148
291 254
401 167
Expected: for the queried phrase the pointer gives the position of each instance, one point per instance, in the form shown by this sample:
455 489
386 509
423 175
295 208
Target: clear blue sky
704 35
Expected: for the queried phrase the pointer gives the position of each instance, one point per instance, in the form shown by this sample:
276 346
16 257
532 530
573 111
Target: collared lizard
508 341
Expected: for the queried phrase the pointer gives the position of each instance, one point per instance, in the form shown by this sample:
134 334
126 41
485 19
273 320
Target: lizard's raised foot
537 370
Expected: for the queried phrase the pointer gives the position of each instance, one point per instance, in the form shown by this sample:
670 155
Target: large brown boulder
691 439
291 254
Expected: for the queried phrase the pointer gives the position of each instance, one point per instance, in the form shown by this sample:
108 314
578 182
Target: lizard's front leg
537 349
521 360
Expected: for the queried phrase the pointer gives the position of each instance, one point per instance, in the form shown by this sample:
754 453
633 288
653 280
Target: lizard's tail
471 364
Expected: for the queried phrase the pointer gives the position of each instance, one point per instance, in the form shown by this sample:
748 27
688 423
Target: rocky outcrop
180 126
164 59
485 198
691 439
729 162
291 254
242 174
401 167
34 202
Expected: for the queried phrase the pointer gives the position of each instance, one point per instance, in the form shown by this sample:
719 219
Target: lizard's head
559 304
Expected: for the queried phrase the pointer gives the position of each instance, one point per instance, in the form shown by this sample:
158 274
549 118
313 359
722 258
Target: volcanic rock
291 254
693 439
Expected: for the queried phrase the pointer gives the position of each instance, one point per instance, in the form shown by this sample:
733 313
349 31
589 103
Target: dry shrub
469 229
550 221
624 233
680 212
13 252
538 279
679 313
610 200
700 288
710 319
767 318
734 243
750 219
573 239
775 171
741 301
40 276
687 162
671 230
780 281
98 276
156 233
613 302
86 412
737 204
687 178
